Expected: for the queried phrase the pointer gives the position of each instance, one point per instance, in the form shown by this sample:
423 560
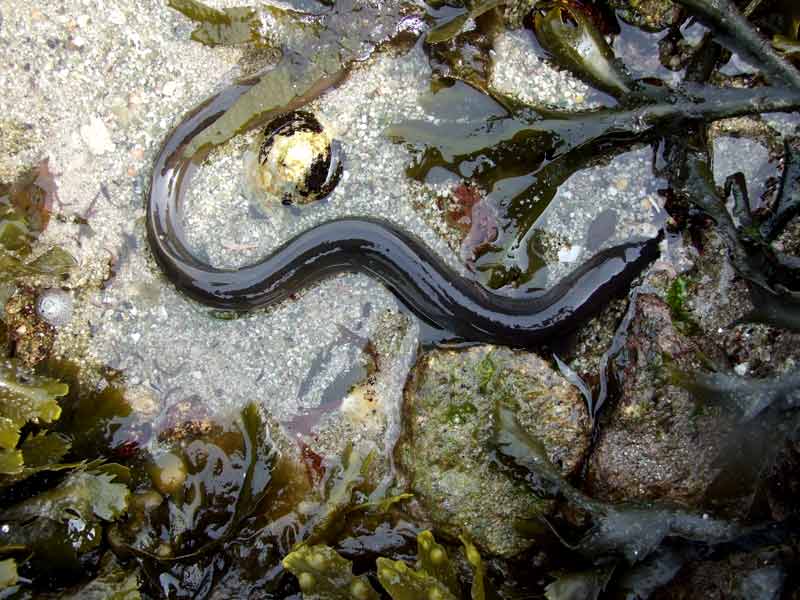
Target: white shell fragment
54 305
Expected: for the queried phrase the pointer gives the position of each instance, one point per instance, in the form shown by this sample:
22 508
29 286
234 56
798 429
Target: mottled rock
443 450
31 335
717 299
760 575
647 14
19 147
656 442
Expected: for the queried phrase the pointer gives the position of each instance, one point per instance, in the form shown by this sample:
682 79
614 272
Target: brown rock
32 336
657 443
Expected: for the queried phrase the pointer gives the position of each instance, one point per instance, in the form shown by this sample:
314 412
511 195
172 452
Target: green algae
678 300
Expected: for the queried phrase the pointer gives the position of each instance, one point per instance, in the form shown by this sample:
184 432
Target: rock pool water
100 86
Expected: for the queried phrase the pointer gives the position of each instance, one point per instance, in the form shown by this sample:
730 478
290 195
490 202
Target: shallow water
102 98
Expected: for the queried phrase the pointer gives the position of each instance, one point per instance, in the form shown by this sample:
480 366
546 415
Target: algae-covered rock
444 449
647 14
33 337
657 442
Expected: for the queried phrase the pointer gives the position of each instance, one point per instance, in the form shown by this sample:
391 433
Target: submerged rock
656 442
32 335
648 14
759 575
443 450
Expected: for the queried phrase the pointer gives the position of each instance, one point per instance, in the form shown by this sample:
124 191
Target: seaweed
83 494
61 524
587 585
338 487
630 531
113 582
750 397
324 575
54 262
536 151
479 585
448 28
435 576
572 38
432 558
24 397
405 583
227 27
787 47
724 16
770 276
330 43
294 81
224 476
8 573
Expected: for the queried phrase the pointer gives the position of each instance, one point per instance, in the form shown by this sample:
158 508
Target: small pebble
96 137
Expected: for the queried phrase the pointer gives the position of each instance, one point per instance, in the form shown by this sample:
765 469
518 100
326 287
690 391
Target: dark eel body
460 309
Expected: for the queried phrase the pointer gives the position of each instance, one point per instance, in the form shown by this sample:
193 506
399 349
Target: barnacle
54 305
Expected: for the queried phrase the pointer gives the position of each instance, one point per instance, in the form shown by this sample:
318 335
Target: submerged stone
656 442
33 336
648 14
444 448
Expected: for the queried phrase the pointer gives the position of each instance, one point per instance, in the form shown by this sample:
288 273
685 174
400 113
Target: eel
457 308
